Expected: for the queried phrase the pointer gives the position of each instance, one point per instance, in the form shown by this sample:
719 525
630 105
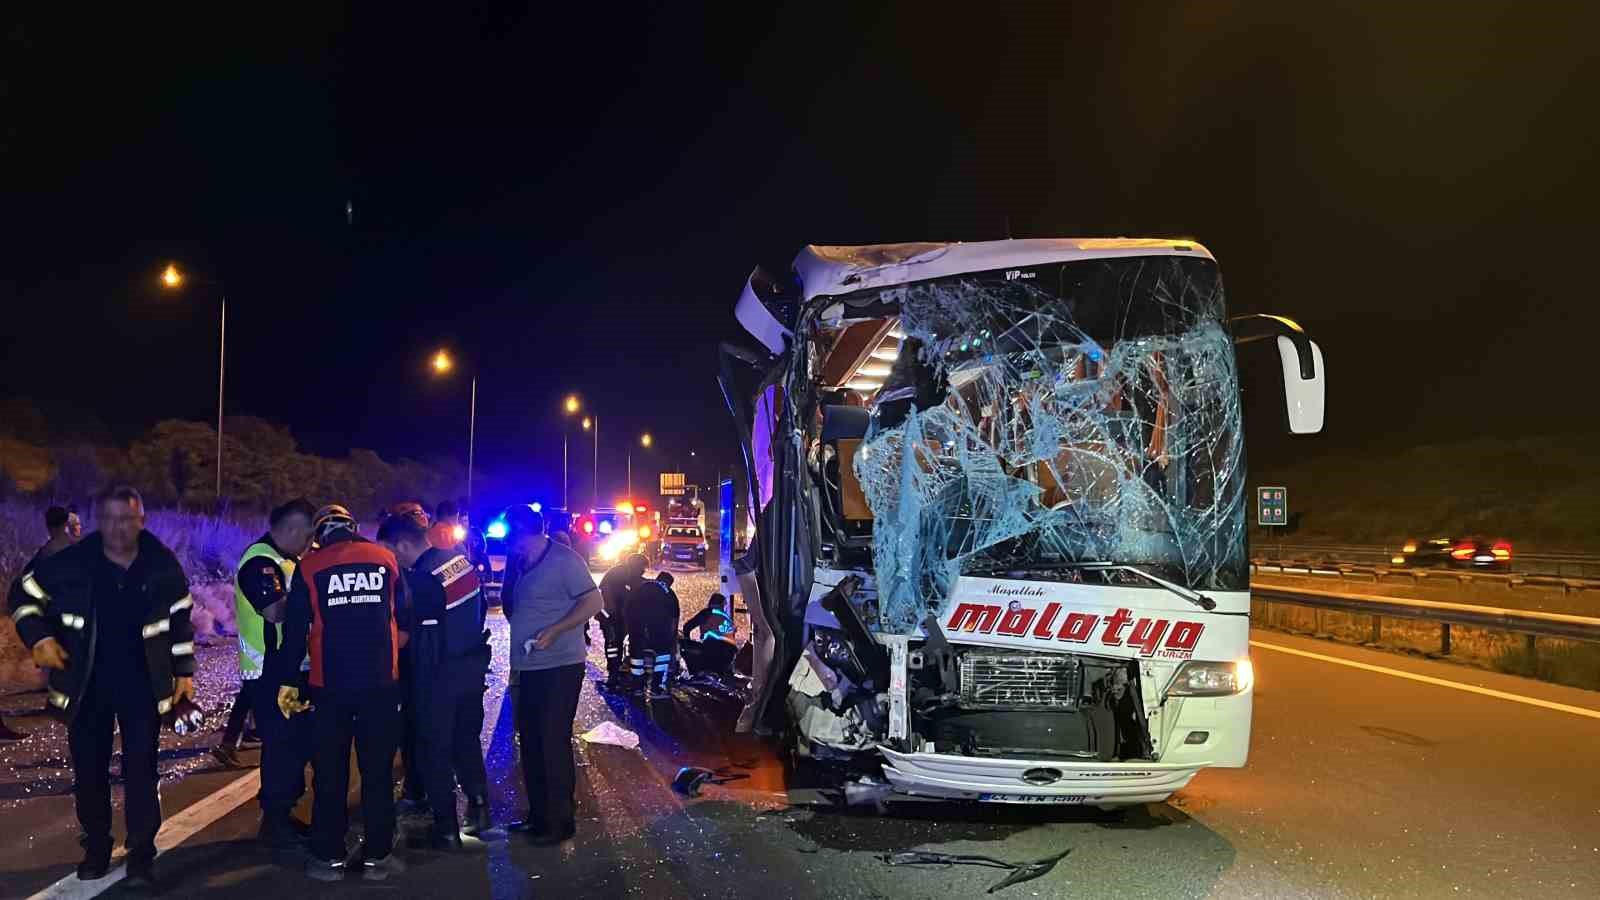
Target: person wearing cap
449 651
652 613
260 597
346 612
109 618
554 596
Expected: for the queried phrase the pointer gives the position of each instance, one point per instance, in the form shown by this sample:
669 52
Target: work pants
287 745
234 730
110 702
713 656
371 719
547 703
652 645
416 788
615 630
449 741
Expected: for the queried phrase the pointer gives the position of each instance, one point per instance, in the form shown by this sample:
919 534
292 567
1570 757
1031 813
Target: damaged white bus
999 491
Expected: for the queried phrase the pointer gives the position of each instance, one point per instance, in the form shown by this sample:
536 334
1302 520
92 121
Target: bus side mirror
1304 384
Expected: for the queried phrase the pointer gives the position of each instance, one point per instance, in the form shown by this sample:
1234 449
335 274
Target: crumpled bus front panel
1074 416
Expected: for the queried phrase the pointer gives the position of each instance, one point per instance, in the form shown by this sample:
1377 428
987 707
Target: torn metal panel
1036 418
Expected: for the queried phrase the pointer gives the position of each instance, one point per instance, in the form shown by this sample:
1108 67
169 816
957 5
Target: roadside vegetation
1541 493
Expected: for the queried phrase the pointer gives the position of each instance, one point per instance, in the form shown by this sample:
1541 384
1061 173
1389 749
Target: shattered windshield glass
1040 418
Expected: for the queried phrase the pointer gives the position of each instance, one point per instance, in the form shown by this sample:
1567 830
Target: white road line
174 831
1439 682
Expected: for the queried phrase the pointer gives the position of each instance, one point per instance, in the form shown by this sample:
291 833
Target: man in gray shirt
553 598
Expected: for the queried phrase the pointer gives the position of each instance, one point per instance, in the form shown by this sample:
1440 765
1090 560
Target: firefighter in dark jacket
109 617
719 643
346 609
652 614
449 650
614 587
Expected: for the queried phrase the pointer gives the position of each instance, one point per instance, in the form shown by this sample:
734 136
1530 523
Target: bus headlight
1212 679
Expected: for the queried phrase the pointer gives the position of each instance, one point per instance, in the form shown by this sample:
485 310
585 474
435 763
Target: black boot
478 820
95 865
141 873
278 833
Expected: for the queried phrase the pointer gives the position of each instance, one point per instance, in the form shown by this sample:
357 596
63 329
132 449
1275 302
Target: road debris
1020 872
613 734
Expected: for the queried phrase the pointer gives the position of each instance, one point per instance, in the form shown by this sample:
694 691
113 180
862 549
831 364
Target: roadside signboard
672 484
1272 506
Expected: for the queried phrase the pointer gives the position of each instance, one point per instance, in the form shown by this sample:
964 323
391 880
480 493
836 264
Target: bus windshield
1040 418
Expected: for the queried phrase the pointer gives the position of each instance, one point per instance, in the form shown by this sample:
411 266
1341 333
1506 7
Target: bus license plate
1033 798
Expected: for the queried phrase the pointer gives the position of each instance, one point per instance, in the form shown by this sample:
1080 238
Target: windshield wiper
1195 597
1198 599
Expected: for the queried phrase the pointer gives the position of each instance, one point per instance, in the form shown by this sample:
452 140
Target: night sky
571 198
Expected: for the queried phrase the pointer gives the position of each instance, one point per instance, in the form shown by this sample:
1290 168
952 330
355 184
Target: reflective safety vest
722 631
252 627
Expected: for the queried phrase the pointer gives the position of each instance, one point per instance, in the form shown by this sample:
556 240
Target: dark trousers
372 720
652 646
714 656
547 703
449 746
234 730
615 631
416 787
125 702
287 745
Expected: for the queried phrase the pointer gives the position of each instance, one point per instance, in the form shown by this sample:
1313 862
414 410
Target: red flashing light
588 527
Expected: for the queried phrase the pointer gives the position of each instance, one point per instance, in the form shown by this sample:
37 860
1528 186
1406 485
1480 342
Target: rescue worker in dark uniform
652 614
414 792
261 599
713 654
65 529
109 617
449 651
346 609
614 587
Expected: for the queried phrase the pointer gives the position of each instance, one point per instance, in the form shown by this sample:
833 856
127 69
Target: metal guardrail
1518 621
1576 565
1380 572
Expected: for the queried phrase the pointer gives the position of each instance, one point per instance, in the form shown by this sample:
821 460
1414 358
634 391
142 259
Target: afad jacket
55 600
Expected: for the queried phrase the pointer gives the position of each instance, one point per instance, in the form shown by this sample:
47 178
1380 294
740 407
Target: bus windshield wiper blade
1195 597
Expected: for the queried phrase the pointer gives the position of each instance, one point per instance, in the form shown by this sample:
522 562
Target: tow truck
1000 504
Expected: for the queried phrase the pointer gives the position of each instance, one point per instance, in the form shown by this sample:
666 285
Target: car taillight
1502 550
1462 552
1410 547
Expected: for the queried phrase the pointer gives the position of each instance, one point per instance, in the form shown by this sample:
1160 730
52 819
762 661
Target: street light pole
564 467
222 368
596 500
472 435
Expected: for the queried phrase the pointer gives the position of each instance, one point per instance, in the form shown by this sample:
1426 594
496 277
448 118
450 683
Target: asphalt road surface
1371 775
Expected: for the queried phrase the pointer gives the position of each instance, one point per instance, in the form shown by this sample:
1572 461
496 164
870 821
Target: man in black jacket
109 617
450 661
652 613
614 587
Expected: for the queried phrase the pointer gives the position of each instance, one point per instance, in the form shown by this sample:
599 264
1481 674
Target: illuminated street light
585 423
442 364
572 404
645 440
172 279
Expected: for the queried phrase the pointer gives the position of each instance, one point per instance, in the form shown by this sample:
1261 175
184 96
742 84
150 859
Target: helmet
331 518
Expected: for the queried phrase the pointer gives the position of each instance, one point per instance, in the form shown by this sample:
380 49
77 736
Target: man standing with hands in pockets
554 597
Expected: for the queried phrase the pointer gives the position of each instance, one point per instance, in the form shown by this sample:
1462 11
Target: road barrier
1574 565
1566 583
1532 625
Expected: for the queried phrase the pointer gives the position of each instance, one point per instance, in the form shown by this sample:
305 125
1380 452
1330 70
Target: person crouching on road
449 651
652 614
261 598
713 654
345 609
554 597
614 587
109 617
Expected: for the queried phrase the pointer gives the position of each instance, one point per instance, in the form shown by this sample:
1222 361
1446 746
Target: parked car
1455 553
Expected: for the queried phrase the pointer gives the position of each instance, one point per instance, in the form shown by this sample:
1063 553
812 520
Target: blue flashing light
605 527
496 529
537 507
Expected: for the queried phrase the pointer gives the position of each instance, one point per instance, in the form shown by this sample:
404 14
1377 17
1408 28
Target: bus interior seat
843 428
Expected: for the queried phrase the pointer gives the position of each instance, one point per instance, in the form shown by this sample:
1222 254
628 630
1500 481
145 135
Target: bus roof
825 270
828 270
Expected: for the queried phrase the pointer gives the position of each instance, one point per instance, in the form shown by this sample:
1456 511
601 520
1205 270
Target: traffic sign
672 484
1272 506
